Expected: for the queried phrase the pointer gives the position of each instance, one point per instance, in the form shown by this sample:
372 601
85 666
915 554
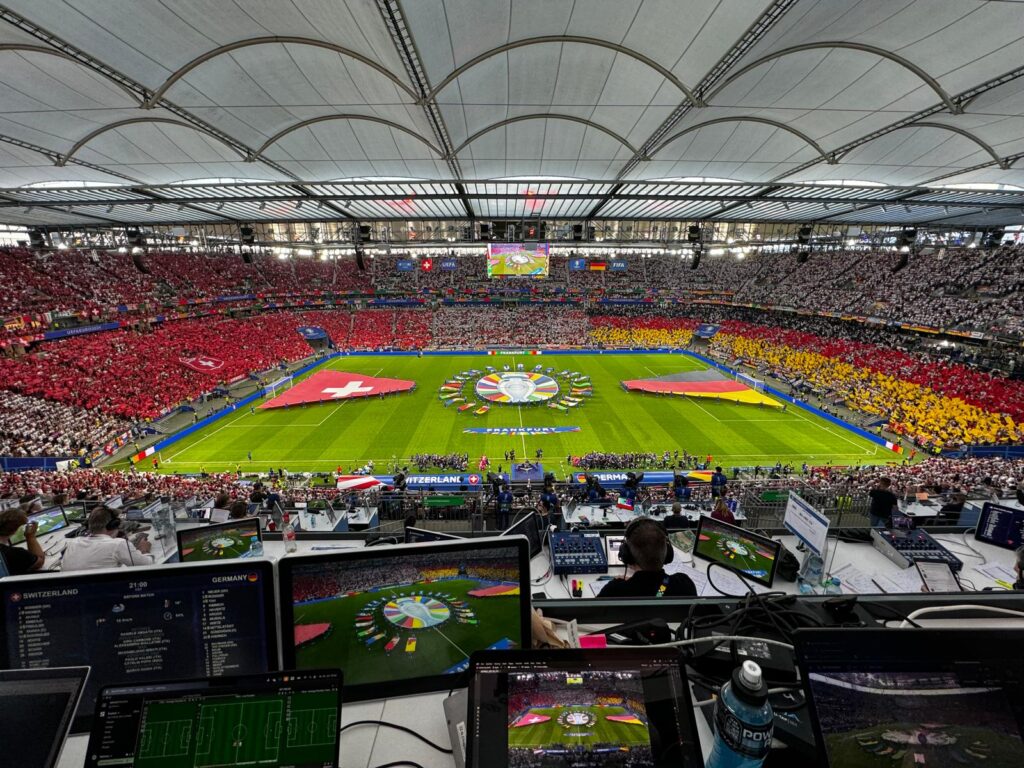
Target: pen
878 585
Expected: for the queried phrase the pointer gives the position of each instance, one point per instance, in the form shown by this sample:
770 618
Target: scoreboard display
517 259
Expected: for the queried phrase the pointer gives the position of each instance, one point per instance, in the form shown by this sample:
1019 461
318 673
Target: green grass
325 436
200 546
604 731
437 648
239 731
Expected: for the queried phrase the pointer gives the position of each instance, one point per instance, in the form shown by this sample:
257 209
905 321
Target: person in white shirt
105 546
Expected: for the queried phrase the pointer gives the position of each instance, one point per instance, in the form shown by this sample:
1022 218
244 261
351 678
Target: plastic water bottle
833 586
288 534
743 721
805 587
256 549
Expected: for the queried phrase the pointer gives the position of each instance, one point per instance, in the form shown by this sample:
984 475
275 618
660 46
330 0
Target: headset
626 553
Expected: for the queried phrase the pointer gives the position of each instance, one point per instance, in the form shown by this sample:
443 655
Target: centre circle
222 543
516 388
416 612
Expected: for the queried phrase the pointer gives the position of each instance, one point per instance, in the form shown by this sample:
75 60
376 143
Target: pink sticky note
593 641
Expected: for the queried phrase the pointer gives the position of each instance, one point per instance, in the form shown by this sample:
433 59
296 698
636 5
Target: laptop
616 707
36 710
273 720
915 697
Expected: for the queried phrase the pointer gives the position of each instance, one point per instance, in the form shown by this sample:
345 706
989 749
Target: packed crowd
542 326
641 331
31 426
938 405
958 287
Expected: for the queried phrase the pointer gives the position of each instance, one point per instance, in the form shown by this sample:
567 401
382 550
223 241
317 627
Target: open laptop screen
916 696
270 720
36 707
609 707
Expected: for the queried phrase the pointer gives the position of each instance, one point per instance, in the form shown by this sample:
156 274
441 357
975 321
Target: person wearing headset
105 546
646 549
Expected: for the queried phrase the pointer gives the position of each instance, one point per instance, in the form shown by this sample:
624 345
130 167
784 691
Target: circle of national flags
536 387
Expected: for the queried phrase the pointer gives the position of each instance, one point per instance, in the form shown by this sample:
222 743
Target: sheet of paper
853 579
699 578
908 580
996 572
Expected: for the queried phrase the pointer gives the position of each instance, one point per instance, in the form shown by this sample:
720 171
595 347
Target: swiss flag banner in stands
332 386
202 363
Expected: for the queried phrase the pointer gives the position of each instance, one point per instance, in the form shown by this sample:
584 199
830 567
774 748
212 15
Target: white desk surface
369 746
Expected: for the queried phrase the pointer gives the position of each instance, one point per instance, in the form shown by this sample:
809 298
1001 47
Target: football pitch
600 730
361 634
239 731
348 433
219 543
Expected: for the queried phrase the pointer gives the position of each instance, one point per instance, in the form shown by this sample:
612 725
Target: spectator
20 561
105 546
883 504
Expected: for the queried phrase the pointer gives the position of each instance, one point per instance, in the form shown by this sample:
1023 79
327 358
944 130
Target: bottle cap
748 684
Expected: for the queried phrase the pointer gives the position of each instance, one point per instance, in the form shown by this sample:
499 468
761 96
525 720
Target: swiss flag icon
332 386
202 363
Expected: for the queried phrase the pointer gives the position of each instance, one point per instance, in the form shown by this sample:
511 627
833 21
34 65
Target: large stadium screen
920 697
148 623
618 707
271 720
756 557
517 259
405 619
238 538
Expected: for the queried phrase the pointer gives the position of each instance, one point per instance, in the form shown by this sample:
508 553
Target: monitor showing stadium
47 521
276 720
919 697
225 541
517 259
142 624
589 709
404 619
756 557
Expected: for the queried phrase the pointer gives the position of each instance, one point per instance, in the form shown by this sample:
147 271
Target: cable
972 553
397 727
717 639
899 615
954 608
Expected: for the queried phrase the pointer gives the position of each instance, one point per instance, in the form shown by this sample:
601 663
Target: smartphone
937 576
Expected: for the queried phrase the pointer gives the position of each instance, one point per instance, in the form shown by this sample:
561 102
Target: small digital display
274 720
1001 526
239 538
403 620
609 708
142 624
48 520
756 557
517 259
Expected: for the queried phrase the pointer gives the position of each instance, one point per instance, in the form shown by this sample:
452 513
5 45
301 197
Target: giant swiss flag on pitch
331 386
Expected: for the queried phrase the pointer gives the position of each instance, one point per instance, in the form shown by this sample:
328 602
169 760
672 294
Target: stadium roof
423 101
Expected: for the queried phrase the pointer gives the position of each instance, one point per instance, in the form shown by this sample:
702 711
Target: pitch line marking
206 437
442 634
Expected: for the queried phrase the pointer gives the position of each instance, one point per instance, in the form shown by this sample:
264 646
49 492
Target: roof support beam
179 73
830 159
59 44
544 116
136 120
930 81
326 118
575 39
405 44
54 157
962 98
25 48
